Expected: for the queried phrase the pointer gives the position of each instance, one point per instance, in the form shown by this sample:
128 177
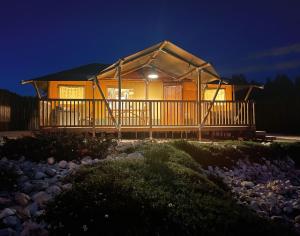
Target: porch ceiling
165 58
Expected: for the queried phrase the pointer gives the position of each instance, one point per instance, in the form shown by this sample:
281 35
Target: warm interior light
153 76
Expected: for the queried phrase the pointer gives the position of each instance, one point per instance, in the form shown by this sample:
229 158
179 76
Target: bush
61 146
126 197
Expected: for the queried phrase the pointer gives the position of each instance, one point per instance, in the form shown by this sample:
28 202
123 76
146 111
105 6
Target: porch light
153 76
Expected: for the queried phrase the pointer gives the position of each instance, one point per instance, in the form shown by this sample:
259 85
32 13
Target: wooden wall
189 89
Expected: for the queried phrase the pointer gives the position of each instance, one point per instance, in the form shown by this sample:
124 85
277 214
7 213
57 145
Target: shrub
61 146
126 197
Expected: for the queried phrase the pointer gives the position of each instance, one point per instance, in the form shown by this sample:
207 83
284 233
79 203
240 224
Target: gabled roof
164 57
81 73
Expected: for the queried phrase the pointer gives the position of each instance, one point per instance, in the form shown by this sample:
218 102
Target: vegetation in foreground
61 146
164 193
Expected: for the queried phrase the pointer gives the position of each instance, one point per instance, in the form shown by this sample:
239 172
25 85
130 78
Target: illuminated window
113 93
71 92
210 93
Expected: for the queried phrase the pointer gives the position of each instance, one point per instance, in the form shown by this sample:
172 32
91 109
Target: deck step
262 136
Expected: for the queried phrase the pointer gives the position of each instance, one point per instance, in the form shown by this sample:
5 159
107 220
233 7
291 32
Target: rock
254 206
247 184
23 212
27 187
39 185
67 186
50 172
86 160
8 232
23 178
7 212
135 155
277 219
50 160
72 165
33 208
63 164
53 190
297 219
33 229
41 198
288 209
4 201
11 221
22 199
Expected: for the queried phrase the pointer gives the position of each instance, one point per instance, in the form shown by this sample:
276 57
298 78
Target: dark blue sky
257 38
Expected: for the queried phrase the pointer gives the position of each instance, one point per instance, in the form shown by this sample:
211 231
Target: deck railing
144 113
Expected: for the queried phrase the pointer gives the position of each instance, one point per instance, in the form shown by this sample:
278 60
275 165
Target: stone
278 219
297 219
4 201
288 209
23 178
54 190
86 160
254 206
72 165
39 185
50 172
22 199
33 208
7 212
33 229
27 187
23 212
135 155
67 186
247 184
50 160
11 221
8 232
41 198
63 164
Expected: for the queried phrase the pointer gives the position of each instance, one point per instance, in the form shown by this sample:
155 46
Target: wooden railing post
150 119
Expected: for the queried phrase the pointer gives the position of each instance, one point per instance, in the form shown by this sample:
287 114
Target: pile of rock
37 184
270 188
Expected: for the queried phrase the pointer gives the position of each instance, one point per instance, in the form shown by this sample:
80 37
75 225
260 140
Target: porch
111 115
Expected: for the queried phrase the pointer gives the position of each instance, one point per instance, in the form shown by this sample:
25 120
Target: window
113 93
210 93
71 92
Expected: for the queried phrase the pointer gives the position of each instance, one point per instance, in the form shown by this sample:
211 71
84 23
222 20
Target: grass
164 193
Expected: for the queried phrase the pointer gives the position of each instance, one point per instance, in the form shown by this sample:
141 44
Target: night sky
257 38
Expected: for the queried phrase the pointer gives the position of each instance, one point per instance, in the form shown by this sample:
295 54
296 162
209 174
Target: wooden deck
146 115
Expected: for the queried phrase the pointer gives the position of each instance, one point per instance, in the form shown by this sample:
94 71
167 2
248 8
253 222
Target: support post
150 119
94 112
105 101
119 100
199 104
211 103
37 90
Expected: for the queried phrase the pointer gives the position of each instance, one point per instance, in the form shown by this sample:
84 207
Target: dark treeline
277 105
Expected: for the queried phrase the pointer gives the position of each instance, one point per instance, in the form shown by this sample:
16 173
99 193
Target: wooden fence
18 112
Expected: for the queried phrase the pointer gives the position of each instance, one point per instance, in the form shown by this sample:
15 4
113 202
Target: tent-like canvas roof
164 57
81 73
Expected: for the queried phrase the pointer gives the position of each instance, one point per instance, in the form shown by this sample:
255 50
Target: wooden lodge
160 89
